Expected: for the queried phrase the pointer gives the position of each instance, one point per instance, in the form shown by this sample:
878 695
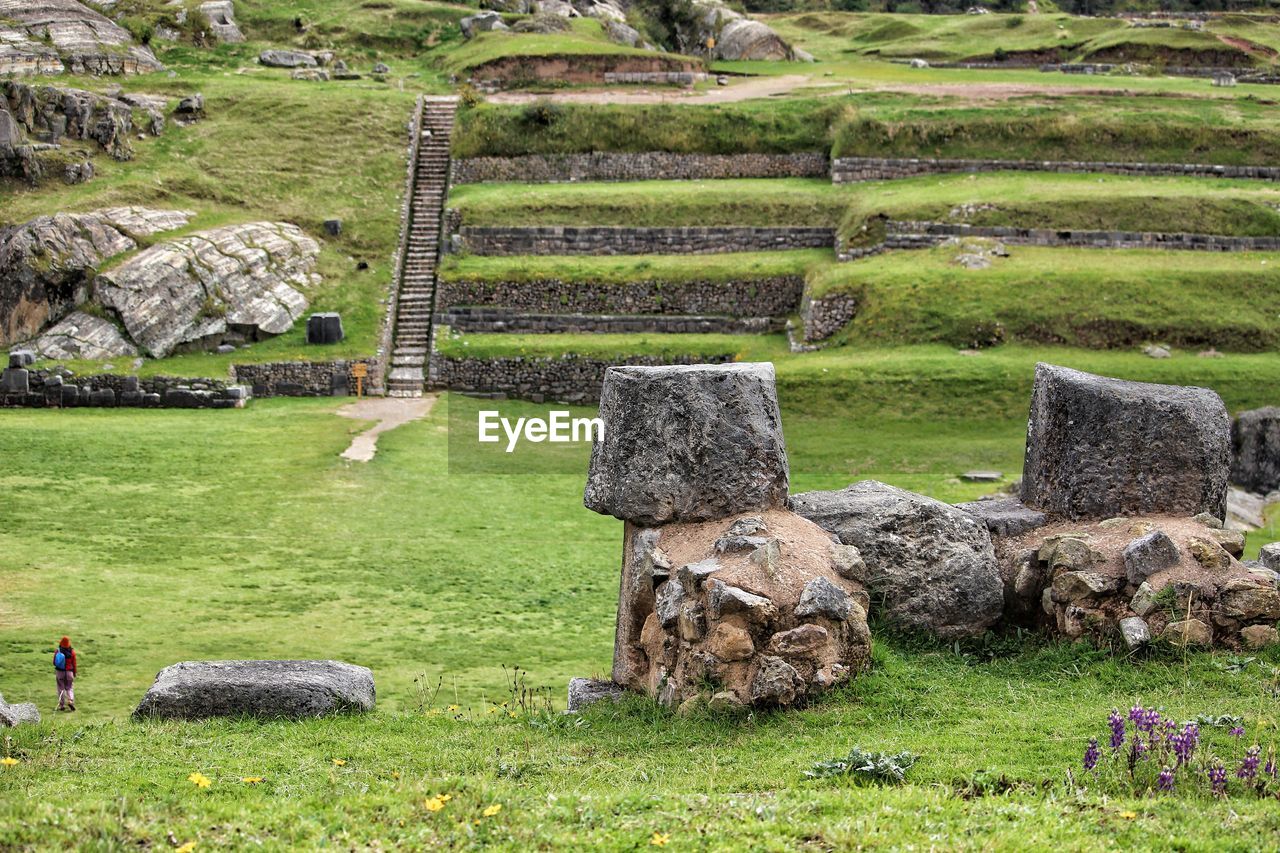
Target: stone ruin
734 595
727 597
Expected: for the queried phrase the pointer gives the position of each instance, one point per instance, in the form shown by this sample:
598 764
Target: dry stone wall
643 166
479 320
564 379
823 316
770 296
610 240
306 378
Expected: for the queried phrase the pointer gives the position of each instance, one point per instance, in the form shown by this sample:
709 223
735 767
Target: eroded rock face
19 714
194 291
762 623
722 33
220 15
1255 446
688 443
1099 447
198 690
83 336
45 264
932 565
53 36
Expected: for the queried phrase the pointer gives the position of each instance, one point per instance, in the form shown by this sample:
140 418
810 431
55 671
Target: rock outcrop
220 15
38 122
56 36
83 336
47 264
688 443
1255 446
930 567
239 282
1099 447
721 33
291 689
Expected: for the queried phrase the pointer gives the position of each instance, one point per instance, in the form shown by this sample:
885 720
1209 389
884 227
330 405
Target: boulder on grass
1099 447
19 714
588 691
197 690
688 443
930 566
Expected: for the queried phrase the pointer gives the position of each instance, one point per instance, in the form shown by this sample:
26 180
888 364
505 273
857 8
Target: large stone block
688 443
930 567
1255 450
324 328
196 690
1099 447
21 713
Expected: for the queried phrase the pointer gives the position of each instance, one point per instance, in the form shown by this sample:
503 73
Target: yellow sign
360 371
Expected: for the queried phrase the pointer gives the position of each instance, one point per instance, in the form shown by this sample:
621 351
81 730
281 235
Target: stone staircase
415 301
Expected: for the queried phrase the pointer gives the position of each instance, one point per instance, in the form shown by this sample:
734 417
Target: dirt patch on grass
740 90
530 70
389 412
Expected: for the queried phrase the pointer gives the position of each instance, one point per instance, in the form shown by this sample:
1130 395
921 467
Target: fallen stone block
324 328
18 714
588 691
688 443
197 690
1004 517
1099 447
1255 450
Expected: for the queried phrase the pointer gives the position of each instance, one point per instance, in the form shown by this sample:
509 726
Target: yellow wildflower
199 780
492 810
434 804
512 714
444 798
492 710
251 780
659 839
338 762
453 709
8 761
186 848
1128 815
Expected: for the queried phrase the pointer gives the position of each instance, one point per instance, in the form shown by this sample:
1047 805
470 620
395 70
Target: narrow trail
389 412
745 90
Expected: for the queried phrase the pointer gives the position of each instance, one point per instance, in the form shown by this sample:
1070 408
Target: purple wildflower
1137 713
1184 742
1091 754
1237 732
1270 768
1165 780
1117 730
1218 779
1147 720
1249 767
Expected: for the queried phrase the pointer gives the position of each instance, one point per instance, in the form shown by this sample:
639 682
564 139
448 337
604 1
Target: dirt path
742 89
389 412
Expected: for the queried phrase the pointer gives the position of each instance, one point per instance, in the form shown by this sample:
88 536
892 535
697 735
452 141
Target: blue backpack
60 661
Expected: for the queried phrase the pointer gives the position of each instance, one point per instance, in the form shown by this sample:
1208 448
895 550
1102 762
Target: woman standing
64 665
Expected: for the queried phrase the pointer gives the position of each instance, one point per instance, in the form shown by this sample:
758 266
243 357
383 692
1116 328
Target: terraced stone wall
609 240
846 170
643 166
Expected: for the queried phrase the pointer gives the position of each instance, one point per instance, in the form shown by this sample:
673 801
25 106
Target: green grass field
619 269
242 534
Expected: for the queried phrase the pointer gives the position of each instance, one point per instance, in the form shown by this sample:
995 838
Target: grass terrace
586 37
1081 297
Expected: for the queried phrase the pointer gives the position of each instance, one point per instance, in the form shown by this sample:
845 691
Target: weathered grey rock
22 357
287 59
724 600
688 443
848 562
220 15
83 336
1189 632
823 598
481 22
194 290
1079 587
623 34
1247 600
776 682
1270 556
541 24
558 8
45 264
1099 447
588 691
1255 450
933 565
1004 517
19 714
724 34
1135 632
1152 553
1144 600
978 476
190 109
197 690
56 36
604 10
381 68
512 7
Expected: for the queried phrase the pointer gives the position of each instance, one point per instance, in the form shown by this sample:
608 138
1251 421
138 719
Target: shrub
865 767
